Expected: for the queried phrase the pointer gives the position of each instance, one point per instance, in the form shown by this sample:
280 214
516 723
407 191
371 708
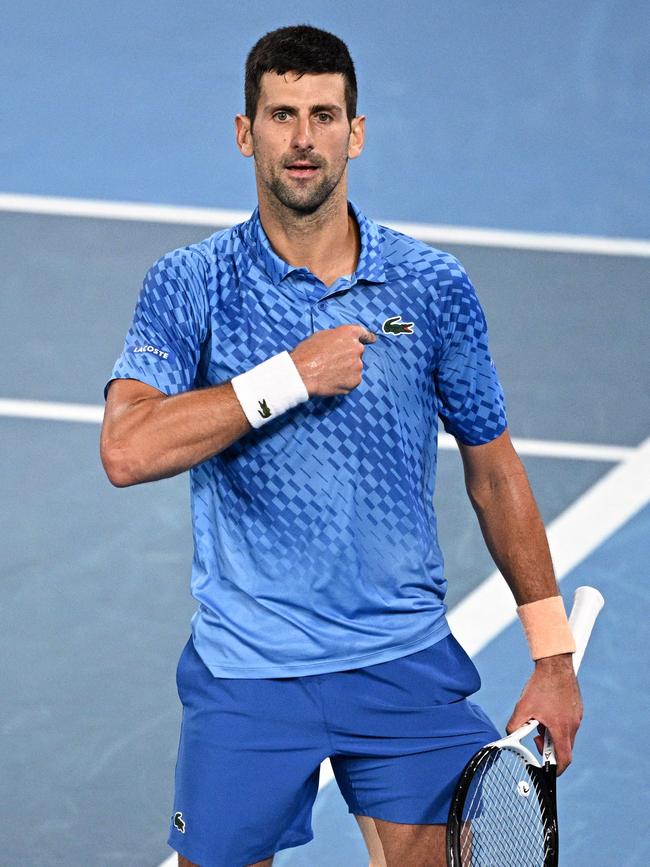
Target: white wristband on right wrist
269 389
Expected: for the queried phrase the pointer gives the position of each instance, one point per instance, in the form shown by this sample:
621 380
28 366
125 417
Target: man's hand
551 696
329 361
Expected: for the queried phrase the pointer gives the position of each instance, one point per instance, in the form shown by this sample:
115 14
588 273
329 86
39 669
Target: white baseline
430 233
87 413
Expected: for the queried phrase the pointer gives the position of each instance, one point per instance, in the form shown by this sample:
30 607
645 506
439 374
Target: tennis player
297 364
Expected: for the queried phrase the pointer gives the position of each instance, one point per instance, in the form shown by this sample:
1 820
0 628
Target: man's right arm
148 435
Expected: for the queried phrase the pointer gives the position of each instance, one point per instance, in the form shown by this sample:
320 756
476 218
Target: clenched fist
329 361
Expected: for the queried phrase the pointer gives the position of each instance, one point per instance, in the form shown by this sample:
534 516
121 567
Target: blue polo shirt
315 543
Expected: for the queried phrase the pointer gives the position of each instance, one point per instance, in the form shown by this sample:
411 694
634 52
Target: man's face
301 138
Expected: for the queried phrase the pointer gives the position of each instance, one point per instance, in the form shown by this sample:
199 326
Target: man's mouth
299 169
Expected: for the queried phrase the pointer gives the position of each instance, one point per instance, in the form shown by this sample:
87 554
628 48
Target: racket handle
587 602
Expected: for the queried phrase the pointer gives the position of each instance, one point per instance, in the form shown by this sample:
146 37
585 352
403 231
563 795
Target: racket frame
544 776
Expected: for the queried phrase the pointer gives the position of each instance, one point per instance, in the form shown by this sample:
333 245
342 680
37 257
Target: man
296 365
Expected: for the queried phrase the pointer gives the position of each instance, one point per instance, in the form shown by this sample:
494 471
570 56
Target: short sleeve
471 402
163 344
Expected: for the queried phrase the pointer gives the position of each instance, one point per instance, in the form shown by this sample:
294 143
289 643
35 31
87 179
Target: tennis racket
503 812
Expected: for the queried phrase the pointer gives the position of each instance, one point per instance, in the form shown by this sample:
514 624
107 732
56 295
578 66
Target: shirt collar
370 266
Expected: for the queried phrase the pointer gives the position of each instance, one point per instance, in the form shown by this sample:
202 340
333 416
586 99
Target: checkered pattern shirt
315 543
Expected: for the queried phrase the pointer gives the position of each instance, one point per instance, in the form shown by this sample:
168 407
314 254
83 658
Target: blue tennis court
517 141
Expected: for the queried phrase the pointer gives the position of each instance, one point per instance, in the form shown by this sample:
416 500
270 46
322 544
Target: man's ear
357 136
244 135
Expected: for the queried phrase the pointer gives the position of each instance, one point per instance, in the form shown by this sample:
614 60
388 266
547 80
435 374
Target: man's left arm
514 533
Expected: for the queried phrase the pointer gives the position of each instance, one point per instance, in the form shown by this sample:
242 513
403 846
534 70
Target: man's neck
326 242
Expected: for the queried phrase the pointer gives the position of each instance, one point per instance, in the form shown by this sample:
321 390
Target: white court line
571 450
428 232
79 412
595 516
51 411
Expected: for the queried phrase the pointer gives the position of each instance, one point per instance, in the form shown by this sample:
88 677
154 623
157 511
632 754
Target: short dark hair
301 49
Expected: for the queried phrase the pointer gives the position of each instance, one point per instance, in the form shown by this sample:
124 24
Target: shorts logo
163 354
393 325
179 822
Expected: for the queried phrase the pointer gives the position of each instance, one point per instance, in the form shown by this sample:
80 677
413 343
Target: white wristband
269 389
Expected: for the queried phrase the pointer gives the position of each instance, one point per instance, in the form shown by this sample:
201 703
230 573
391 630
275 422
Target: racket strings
505 818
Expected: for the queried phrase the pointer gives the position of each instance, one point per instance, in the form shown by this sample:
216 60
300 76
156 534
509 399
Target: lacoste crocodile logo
179 822
393 325
264 409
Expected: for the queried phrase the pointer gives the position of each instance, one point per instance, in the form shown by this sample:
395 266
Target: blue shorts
398 734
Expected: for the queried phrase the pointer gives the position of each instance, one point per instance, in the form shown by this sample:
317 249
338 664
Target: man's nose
302 134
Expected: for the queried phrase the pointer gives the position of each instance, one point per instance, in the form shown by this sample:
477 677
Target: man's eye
323 117
281 115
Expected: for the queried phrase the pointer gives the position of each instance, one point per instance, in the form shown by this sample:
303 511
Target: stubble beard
307 199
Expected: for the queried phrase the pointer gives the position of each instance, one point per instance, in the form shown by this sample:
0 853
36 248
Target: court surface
96 602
